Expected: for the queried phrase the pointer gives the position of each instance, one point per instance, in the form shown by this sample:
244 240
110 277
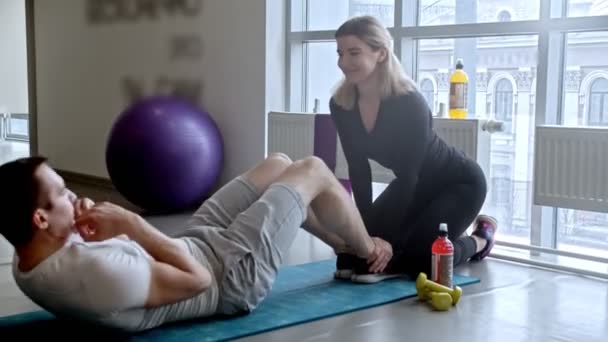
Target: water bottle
459 82
442 270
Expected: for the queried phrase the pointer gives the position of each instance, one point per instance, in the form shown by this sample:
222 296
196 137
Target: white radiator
571 167
293 134
460 133
471 136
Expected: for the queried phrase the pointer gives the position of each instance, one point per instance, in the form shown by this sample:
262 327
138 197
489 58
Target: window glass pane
18 126
504 100
598 106
584 8
585 102
503 103
488 61
600 86
329 14
446 12
428 91
584 77
595 106
604 110
583 232
322 74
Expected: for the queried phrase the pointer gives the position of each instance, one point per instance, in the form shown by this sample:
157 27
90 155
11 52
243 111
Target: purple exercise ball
164 154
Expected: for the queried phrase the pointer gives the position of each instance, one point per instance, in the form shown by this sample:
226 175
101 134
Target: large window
510 48
585 103
495 73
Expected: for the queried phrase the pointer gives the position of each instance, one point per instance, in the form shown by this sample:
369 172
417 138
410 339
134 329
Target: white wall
276 92
13 57
80 67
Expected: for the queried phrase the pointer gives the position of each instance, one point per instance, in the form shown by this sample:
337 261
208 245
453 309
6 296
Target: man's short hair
19 191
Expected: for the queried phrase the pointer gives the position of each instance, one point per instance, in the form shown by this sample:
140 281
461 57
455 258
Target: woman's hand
382 254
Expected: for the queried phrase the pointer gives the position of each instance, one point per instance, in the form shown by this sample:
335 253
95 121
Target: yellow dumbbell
426 287
441 301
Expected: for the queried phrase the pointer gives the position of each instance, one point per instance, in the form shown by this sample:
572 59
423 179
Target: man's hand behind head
81 205
104 221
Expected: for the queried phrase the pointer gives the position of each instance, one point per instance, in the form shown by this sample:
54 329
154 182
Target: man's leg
268 172
269 226
222 208
331 214
333 208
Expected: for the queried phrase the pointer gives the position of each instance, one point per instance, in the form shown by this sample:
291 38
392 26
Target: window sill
552 261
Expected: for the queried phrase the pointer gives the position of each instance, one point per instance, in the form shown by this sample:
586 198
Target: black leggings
456 199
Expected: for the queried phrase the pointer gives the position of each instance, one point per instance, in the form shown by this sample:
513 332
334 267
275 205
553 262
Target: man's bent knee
313 166
278 162
280 156
266 172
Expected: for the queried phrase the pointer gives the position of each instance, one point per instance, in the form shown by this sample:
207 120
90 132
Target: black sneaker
485 228
344 266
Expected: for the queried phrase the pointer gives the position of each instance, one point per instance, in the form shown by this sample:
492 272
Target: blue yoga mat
301 294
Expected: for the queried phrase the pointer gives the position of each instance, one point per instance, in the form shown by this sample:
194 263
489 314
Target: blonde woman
380 115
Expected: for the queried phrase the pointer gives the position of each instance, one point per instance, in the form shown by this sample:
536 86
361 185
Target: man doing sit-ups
104 264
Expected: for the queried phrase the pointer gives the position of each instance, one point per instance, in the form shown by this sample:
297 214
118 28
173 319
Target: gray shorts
263 225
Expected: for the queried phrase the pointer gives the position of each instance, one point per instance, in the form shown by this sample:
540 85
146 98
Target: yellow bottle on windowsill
459 82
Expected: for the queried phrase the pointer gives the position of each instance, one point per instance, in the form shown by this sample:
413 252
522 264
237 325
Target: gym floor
513 302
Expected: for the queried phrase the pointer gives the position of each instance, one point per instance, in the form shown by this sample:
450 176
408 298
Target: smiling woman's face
356 59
